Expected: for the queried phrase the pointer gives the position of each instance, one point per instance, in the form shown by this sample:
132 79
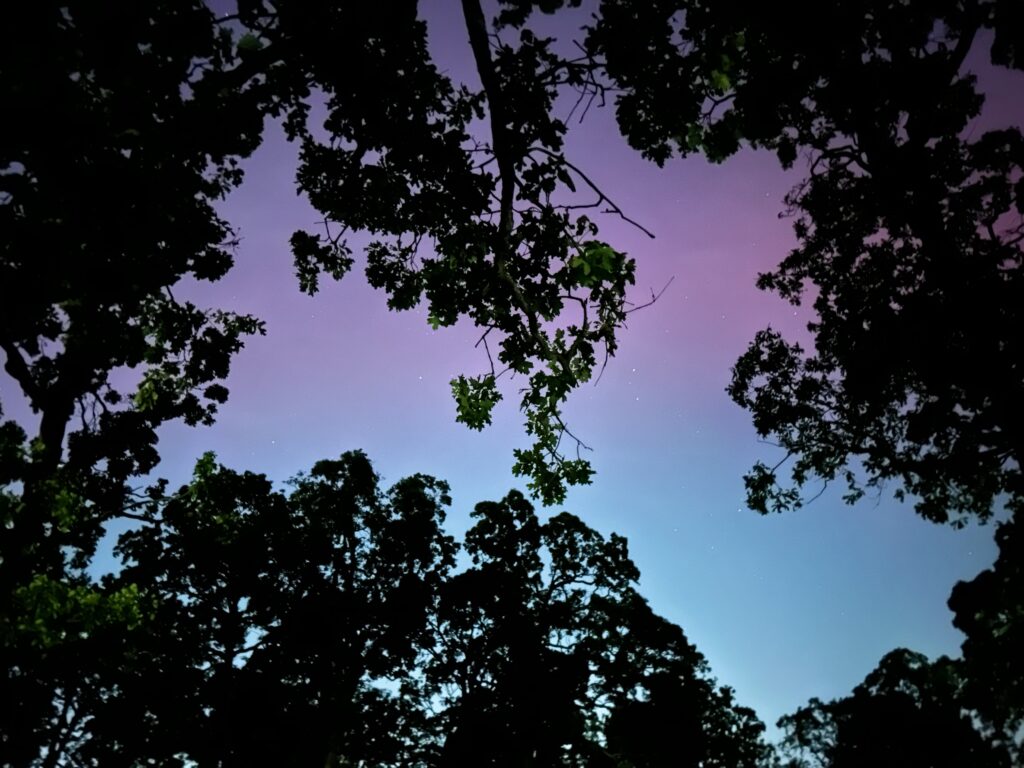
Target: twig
566 430
654 297
604 364
487 348
602 197
824 487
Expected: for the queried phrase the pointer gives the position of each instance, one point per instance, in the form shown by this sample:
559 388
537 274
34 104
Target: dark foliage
907 712
989 610
330 626
490 229
910 229
110 165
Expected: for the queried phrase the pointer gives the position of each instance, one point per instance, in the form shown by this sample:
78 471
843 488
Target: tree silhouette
487 228
329 625
281 622
909 227
103 220
110 163
907 712
550 657
989 610
910 241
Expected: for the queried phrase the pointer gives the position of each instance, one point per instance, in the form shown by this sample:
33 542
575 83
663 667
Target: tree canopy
908 711
909 226
988 610
333 623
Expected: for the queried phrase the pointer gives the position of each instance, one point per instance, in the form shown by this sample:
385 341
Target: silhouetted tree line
332 624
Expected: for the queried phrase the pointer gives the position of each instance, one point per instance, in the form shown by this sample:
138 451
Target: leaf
566 178
249 43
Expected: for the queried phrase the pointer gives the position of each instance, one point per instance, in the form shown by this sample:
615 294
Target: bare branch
487 348
566 430
815 497
602 197
604 364
654 297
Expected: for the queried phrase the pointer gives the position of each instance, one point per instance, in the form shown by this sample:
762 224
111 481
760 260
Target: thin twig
824 487
566 430
487 348
602 197
604 364
654 297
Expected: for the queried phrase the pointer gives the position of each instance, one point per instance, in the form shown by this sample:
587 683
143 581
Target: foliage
482 229
909 229
989 610
286 623
907 712
550 657
115 146
100 222
329 625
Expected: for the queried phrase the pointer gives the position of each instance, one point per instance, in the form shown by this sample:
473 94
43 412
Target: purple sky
784 607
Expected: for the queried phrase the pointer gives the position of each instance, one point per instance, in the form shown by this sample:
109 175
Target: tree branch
602 197
19 371
654 297
476 26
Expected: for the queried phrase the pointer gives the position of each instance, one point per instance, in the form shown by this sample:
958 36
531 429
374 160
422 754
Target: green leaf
475 398
720 80
249 43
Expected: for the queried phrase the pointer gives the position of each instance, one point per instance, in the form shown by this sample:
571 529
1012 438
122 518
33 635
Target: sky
784 607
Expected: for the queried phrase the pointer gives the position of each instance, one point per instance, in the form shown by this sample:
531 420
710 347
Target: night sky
785 607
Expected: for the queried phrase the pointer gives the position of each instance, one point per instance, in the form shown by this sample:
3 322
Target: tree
285 629
102 222
118 144
548 656
910 233
910 229
989 610
908 712
329 625
486 229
